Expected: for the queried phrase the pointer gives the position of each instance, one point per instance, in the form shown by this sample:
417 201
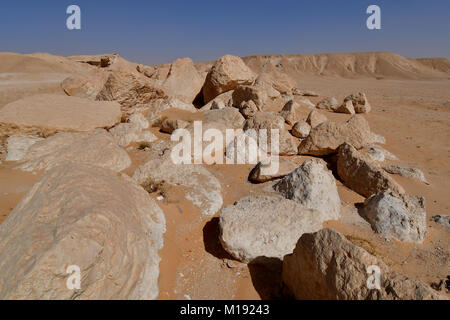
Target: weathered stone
326 266
231 118
442 219
126 133
84 86
226 74
264 120
377 153
263 172
330 104
248 109
89 217
407 172
301 129
59 113
326 138
346 107
313 186
250 93
398 216
315 118
96 148
170 125
258 229
361 174
160 105
291 112
360 102
17 146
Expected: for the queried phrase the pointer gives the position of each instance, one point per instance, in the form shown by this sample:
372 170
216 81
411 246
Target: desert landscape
87 178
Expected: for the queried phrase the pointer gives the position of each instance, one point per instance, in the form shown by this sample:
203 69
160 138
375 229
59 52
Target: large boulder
258 229
231 118
398 216
226 74
84 85
313 186
326 266
96 148
88 217
326 138
18 145
183 80
201 187
132 90
250 93
56 113
360 102
361 174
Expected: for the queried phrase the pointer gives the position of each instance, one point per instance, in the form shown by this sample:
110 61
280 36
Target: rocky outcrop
95 148
258 229
326 138
361 174
226 74
84 216
326 266
398 216
56 113
313 186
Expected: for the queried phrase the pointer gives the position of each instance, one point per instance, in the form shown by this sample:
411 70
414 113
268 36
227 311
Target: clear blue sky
157 31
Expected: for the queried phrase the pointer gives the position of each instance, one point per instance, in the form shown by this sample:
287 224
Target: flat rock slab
60 113
85 216
259 228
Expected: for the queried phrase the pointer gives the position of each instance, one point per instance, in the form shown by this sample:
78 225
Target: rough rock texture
288 144
226 74
231 118
217 105
257 229
407 172
250 93
279 81
291 112
315 118
265 82
360 102
17 146
202 188
263 172
84 86
183 80
361 174
132 91
96 148
59 113
125 133
86 216
160 105
442 219
301 129
248 109
313 186
264 120
170 125
398 216
326 266
226 98
328 104
326 138
346 107
377 153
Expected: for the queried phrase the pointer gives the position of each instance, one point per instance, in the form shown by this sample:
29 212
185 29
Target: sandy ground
413 116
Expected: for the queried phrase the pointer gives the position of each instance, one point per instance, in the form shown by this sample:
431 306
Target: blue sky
157 31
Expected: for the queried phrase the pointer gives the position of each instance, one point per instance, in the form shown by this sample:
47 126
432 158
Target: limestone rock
360 102
257 229
170 125
398 216
315 118
313 186
202 188
346 107
288 144
442 219
326 138
330 104
183 80
59 113
248 109
226 74
226 98
407 172
361 174
86 216
301 129
160 105
96 148
18 145
231 118
263 172
264 120
250 93
377 153
84 86
126 133
326 266
291 112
